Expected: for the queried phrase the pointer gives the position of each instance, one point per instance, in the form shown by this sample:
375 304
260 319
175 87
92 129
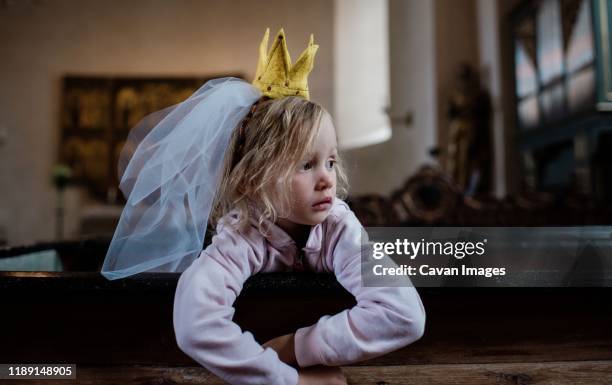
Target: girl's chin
311 218
318 217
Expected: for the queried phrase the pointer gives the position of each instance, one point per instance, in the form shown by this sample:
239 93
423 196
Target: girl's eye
306 166
331 163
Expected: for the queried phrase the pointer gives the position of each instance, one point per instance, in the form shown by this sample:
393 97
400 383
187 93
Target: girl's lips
323 204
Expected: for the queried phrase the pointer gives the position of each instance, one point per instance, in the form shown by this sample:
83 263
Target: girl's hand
321 375
284 347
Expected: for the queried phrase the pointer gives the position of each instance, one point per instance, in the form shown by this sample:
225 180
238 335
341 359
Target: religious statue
468 154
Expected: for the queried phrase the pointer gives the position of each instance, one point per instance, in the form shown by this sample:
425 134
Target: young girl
277 208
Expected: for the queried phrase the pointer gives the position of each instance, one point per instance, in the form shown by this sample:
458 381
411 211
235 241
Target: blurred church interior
457 112
448 112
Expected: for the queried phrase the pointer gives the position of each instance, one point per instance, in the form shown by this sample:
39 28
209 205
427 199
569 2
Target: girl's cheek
299 179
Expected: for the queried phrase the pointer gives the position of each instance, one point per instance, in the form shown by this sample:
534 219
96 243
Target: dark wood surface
575 373
121 331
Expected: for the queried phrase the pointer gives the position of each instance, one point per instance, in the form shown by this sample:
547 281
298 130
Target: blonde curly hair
264 151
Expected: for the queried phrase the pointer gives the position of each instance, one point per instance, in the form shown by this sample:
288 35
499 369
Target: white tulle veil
169 170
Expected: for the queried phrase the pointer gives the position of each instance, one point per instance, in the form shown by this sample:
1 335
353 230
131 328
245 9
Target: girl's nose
325 179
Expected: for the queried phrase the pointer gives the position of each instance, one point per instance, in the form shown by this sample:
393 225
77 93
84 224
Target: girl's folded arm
203 318
383 320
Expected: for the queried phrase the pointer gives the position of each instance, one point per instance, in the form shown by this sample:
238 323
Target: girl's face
314 182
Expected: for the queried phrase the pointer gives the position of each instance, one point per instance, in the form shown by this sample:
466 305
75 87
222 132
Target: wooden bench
120 332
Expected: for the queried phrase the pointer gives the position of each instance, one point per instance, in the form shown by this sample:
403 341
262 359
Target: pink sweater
384 318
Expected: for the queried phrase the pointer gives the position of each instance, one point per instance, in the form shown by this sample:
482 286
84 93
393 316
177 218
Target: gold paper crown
275 76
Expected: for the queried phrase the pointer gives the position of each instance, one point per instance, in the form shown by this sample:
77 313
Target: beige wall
385 167
42 41
428 42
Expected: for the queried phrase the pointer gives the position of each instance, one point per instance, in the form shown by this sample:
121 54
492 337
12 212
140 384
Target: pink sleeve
203 316
384 319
